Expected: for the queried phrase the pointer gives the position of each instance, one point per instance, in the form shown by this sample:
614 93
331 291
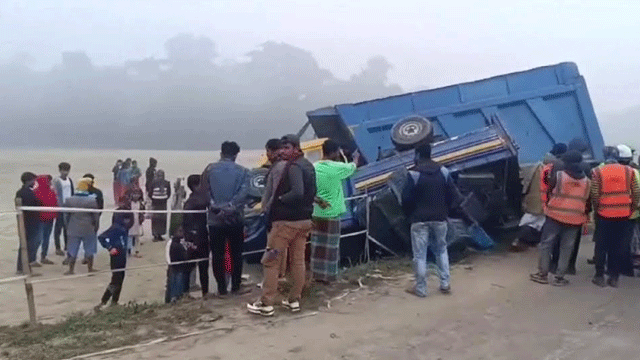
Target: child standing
136 232
178 250
114 239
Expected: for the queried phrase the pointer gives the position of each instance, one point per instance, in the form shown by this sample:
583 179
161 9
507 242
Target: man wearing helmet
625 157
616 194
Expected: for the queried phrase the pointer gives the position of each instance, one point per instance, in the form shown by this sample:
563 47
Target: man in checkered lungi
331 171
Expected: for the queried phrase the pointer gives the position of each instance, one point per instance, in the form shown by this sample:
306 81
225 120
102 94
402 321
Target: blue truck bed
467 151
538 107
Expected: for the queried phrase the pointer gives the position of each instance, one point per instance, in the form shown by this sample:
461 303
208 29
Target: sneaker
540 278
35 264
46 261
99 307
446 290
294 306
259 308
66 261
60 252
613 282
414 292
560 281
599 280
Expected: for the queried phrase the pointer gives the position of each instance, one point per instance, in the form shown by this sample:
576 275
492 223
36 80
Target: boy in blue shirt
115 240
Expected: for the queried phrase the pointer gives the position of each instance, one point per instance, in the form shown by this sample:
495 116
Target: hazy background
188 74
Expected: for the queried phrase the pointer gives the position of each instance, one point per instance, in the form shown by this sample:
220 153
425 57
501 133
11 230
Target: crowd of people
301 200
70 230
561 197
304 201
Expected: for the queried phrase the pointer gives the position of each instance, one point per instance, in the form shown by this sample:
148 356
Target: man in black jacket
31 219
290 214
428 197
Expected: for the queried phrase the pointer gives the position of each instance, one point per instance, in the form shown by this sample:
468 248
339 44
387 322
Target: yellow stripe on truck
444 159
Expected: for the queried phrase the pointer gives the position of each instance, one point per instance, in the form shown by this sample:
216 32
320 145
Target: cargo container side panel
352 114
569 123
590 121
444 97
524 128
533 80
463 122
397 106
487 89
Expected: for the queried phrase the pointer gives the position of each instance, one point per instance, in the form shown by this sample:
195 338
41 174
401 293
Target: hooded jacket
47 197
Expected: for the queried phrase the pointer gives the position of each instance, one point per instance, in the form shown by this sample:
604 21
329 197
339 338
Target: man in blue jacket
227 185
428 197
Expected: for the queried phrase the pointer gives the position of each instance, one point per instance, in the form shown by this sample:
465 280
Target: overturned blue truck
485 132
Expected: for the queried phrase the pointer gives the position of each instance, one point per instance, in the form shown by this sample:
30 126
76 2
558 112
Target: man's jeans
177 284
60 229
33 243
45 228
423 234
89 243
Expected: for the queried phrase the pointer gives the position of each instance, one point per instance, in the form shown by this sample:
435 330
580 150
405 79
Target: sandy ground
495 312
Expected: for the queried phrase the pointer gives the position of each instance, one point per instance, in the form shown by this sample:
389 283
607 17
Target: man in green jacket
331 171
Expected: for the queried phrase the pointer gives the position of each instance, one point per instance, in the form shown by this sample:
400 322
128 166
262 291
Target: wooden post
26 267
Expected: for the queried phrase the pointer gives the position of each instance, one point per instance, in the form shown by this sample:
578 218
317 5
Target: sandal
539 278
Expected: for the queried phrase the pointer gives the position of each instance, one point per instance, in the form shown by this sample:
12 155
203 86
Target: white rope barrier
29 280
9 213
356 197
12 279
83 210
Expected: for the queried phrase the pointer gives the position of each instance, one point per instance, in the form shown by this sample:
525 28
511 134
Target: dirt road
495 312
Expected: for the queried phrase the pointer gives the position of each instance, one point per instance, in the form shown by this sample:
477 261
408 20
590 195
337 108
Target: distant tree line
187 100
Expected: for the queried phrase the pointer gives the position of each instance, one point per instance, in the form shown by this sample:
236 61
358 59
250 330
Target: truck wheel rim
258 181
410 129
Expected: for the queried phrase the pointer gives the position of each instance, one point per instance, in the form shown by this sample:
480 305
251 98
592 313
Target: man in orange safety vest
567 207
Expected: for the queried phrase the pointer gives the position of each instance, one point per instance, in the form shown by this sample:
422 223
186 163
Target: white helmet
624 152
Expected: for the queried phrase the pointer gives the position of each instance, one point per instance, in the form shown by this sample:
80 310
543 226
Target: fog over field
190 74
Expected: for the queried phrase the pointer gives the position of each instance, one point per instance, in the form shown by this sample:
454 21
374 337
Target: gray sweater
82 223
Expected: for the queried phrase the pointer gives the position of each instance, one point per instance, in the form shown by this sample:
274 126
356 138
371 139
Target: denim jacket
227 184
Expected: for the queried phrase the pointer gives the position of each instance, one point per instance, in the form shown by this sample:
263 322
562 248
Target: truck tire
411 131
257 182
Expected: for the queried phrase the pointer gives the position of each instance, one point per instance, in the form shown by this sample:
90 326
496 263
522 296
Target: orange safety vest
568 201
615 191
544 184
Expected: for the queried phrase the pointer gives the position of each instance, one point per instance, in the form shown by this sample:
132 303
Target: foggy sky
419 44
429 43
